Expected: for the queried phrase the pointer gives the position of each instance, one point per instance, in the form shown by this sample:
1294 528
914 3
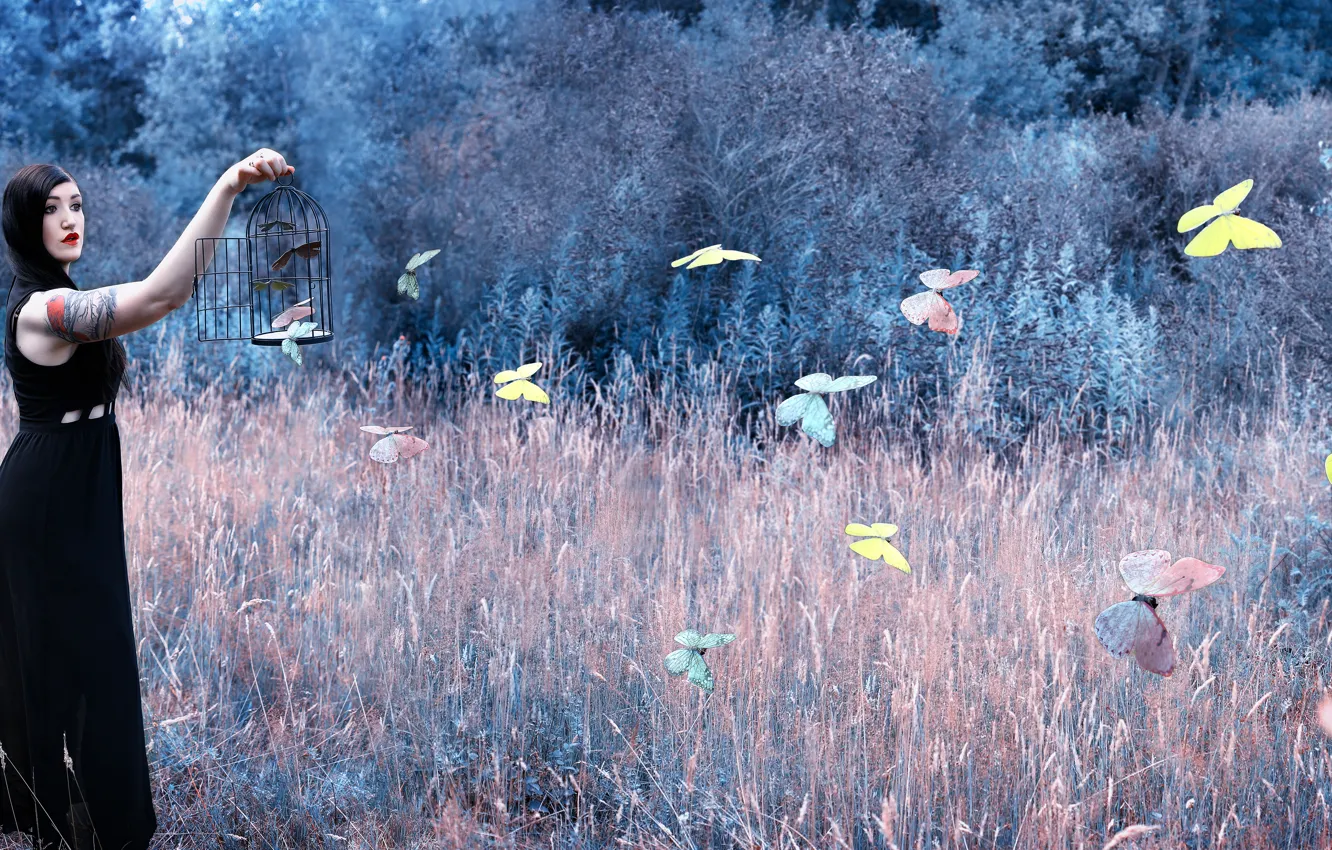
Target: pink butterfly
931 306
1134 626
289 315
396 444
1325 715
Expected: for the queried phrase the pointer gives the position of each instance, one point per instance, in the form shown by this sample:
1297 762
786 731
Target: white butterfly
396 444
690 659
1134 626
407 283
809 408
295 331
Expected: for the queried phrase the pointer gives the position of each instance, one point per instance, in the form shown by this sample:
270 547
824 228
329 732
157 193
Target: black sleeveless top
46 393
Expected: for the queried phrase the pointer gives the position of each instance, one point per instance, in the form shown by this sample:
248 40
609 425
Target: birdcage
263 280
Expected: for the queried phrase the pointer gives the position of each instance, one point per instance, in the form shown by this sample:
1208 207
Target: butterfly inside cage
272 286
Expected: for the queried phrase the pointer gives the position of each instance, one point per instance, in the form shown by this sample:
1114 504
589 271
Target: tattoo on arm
82 315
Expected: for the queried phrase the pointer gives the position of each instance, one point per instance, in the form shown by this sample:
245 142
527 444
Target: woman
72 742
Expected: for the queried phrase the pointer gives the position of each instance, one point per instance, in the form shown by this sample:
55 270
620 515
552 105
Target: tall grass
464 649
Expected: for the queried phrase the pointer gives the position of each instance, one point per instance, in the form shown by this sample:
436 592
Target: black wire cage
268 276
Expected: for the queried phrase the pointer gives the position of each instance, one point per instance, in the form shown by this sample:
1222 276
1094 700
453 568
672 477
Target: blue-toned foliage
560 158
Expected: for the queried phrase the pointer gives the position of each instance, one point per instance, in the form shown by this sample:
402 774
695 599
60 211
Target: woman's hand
263 164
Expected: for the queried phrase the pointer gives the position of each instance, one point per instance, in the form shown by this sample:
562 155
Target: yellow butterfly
518 386
1327 467
711 256
874 546
1228 227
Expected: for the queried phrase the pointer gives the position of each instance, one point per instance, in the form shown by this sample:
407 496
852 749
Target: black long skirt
71 721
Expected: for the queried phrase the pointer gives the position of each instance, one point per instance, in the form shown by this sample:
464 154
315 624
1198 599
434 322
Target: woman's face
64 217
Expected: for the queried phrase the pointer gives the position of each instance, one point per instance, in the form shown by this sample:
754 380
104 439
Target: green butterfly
273 285
809 408
690 659
281 225
407 284
295 331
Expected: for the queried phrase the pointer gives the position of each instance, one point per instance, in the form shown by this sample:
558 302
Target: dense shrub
561 157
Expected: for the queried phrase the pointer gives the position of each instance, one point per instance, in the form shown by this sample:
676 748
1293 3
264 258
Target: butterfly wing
695 255
395 446
1117 627
850 382
281 261
1141 568
296 311
292 350
409 446
1327 467
942 279
793 409
944 319
408 285
699 674
1153 648
1247 233
1234 196
385 450
934 278
816 382
711 641
679 661
1182 576
895 559
386 429
1195 217
689 638
709 257
300 330
1150 573
527 370
532 392
1325 715
958 278
870 547
931 307
1212 240
738 255
878 529
420 259
523 389
1135 627
818 421
875 548
512 391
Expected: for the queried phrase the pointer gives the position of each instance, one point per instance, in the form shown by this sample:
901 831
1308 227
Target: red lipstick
71 239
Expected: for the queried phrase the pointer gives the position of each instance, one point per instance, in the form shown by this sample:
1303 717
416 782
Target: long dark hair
33 265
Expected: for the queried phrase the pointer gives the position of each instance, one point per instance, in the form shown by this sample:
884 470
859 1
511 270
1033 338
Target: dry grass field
464 649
